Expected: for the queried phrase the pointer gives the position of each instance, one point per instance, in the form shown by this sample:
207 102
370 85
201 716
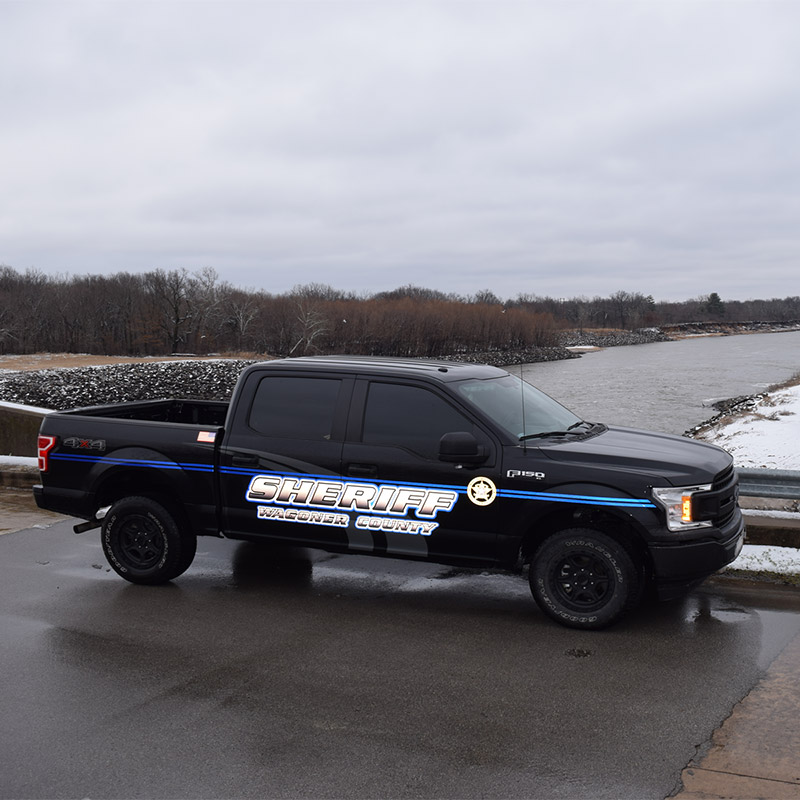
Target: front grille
724 477
719 505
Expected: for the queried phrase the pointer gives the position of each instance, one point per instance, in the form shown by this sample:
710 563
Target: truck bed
162 446
189 412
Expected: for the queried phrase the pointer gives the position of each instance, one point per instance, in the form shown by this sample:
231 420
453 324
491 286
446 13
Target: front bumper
680 566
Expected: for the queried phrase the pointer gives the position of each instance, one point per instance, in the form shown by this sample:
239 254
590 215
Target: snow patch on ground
18 461
765 558
766 436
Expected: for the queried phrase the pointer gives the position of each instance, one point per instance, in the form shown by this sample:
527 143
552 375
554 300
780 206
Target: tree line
175 311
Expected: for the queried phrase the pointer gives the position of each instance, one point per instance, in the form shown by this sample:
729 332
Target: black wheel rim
141 543
583 581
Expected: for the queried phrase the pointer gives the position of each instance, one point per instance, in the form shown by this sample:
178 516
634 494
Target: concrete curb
19 477
754 752
774 531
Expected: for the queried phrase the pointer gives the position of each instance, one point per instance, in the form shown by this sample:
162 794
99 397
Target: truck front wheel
144 543
583 578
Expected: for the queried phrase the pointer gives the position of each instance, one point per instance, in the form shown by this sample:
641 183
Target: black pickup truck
447 462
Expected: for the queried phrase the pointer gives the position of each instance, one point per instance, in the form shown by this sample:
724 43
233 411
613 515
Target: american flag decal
206 436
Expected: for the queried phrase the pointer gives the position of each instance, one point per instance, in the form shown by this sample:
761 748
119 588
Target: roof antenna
522 400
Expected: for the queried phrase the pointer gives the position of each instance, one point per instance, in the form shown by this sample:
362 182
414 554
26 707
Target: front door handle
362 470
244 460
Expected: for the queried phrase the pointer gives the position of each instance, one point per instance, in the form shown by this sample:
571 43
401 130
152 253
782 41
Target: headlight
677 502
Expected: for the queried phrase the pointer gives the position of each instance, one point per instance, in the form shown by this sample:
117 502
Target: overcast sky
553 148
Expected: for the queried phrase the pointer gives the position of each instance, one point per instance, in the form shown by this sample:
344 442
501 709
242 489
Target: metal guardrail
779 483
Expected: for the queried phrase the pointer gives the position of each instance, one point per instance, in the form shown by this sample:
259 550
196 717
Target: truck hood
673 459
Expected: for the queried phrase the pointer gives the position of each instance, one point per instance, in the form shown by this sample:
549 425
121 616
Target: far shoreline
573 343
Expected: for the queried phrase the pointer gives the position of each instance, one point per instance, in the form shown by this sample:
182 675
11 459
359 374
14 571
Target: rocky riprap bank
725 409
616 338
727 328
505 358
566 339
70 387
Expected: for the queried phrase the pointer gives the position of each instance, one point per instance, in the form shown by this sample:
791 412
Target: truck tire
583 578
144 543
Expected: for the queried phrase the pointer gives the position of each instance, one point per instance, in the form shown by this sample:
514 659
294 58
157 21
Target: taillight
45 445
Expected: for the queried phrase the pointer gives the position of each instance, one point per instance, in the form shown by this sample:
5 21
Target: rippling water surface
667 386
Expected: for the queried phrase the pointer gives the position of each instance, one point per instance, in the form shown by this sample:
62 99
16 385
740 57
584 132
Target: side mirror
461 447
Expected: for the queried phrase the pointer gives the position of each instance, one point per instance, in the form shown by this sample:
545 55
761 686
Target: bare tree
169 292
311 324
239 310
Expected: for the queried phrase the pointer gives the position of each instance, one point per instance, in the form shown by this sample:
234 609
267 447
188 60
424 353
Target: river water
667 386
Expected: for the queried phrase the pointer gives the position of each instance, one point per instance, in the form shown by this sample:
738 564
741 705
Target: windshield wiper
546 434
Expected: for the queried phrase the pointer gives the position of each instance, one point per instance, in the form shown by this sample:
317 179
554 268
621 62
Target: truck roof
433 369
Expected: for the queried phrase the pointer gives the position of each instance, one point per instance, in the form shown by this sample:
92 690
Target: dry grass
787 384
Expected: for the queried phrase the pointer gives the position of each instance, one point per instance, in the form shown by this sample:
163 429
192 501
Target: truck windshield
502 400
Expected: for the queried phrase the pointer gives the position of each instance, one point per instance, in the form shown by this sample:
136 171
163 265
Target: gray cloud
562 148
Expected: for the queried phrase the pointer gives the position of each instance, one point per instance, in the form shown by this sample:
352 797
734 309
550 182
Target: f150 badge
526 473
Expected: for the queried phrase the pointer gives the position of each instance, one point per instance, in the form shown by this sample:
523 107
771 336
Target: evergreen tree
715 306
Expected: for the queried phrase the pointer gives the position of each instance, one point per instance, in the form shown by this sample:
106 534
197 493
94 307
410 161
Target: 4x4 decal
80 443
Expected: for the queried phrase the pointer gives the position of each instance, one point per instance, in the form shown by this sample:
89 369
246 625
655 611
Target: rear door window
295 407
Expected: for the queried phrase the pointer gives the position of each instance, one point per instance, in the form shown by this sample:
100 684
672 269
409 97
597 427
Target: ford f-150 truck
446 462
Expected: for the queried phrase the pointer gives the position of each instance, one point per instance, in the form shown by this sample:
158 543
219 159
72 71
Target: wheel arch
620 526
117 484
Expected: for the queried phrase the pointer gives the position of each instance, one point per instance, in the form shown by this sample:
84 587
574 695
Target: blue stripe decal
513 494
133 462
554 497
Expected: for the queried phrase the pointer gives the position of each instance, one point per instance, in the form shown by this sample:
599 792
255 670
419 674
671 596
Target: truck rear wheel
583 578
144 543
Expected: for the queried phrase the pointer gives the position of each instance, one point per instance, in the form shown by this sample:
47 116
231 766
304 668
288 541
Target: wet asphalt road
264 673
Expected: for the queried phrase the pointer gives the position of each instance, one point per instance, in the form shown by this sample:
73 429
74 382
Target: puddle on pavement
772 616
723 614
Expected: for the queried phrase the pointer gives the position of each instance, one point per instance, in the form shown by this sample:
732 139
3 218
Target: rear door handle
362 470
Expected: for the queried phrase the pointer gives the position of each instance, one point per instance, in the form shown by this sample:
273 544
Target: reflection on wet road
285 673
